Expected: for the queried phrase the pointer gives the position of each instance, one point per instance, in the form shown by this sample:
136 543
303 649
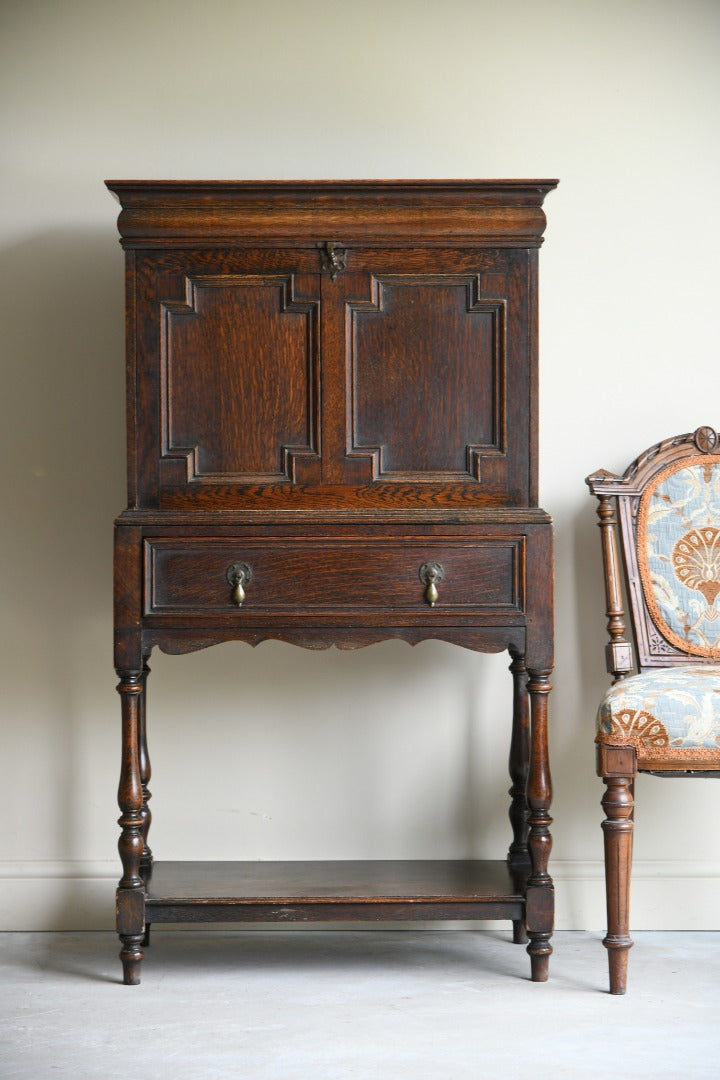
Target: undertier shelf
333 891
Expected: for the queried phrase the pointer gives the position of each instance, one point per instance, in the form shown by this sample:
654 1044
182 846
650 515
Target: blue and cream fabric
679 555
665 712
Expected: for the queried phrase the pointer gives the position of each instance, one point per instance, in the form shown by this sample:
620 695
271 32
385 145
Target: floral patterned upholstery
672 713
679 555
666 713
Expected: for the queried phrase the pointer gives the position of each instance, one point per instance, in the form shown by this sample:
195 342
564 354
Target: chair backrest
668 504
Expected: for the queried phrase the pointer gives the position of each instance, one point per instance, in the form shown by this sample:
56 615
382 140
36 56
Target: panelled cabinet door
430 373
398 378
235 337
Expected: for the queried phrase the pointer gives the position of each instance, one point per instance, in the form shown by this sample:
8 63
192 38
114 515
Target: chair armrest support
618 652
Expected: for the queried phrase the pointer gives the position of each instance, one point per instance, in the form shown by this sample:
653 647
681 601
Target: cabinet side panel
131 379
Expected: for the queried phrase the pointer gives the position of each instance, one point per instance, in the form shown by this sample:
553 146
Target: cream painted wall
386 751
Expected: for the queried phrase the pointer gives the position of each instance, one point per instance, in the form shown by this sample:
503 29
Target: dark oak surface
334 891
483 212
296 575
315 414
332 441
333 881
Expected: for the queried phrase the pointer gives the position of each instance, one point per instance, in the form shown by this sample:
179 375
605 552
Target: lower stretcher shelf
332 890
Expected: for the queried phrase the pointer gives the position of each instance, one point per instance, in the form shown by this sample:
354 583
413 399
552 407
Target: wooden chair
665 719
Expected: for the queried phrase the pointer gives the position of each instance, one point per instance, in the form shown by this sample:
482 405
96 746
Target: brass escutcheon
333 258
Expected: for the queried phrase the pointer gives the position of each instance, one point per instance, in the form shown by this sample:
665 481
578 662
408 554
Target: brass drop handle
431 574
238 575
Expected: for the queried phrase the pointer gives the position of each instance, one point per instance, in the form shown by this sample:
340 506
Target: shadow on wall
589 615
63 453
573 755
62 482
383 752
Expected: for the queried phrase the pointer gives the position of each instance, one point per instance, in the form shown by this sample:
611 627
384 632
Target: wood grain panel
239 375
373 881
427 375
333 576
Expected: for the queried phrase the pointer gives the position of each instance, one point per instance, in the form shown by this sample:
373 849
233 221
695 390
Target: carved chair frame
618 506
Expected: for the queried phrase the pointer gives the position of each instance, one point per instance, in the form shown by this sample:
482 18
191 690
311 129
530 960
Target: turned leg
131 891
519 765
145 772
540 900
146 860
618 804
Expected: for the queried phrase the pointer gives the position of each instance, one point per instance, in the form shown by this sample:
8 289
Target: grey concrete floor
295 1005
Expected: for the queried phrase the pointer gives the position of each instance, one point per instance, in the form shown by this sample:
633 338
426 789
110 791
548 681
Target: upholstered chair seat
666 713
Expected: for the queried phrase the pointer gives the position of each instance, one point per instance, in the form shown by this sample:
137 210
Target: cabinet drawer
316 576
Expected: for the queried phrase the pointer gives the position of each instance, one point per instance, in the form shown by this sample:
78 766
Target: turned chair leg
618 805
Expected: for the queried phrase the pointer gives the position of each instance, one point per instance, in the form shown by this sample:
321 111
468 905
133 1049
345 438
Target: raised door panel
235 340
403 378
237 366
437 368
427 377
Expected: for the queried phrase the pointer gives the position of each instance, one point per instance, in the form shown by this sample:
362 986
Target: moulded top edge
408 519
146 193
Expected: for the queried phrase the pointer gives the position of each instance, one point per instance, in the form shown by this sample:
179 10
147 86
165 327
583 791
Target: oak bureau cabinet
332 440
